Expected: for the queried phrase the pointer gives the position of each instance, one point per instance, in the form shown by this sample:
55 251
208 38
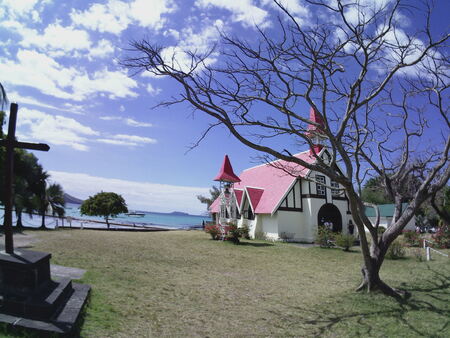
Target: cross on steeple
10 143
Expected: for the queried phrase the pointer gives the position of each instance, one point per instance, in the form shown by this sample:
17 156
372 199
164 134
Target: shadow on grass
426 313
255 244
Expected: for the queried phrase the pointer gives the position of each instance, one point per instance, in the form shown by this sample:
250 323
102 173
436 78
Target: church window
335 191
320 186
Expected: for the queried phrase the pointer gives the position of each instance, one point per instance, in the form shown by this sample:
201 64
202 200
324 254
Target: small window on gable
320 185
335 189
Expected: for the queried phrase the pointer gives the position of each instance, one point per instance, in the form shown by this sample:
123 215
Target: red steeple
316 133
315 117
226 173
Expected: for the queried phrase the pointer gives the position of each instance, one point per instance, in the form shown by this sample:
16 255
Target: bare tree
3 97
380 91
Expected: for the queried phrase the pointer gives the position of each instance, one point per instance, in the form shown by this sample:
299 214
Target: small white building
280 205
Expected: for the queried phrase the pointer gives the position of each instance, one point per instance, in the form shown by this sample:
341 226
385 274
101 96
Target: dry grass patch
180 283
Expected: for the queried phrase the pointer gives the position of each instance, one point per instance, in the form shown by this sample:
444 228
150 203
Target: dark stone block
32 300
24 272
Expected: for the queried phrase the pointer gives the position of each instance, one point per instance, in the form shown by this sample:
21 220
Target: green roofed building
386 214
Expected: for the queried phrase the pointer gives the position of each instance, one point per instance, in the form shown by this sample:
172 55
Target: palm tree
52 201
55 199
25 187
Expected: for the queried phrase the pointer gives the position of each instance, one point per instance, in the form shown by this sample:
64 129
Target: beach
147 222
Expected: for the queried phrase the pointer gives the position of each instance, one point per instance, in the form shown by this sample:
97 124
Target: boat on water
135 214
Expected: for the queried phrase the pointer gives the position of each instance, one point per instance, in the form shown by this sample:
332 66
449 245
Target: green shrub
324 237
418 254
412 238
214 231
345 241
396 250
442 237
245 232
233 233
260 235
381 230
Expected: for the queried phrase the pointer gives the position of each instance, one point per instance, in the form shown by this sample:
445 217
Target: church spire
316 131
226 173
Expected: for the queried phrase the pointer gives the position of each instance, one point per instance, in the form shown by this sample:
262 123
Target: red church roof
226 173
238 193
266 185
254 195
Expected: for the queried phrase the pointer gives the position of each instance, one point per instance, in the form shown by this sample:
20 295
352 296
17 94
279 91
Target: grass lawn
181 283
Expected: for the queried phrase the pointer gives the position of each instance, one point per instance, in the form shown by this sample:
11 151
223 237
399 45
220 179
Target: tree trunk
19 224
371 280
107 223
43 221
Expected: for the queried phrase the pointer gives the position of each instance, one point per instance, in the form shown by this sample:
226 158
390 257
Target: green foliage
442 237
373 192
411 238
208 200
245 232
381 230
30 192
418 254
345 241
104 204
396 250
233 233
324 237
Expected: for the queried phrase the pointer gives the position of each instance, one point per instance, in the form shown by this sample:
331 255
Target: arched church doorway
329 214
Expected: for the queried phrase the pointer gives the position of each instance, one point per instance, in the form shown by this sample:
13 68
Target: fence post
428 254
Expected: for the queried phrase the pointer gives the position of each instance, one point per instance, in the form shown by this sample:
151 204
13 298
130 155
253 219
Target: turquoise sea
172 221
150 218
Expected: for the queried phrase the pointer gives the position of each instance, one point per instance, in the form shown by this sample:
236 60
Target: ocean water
149 219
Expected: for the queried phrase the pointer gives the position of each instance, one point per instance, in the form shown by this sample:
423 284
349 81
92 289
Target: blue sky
59 62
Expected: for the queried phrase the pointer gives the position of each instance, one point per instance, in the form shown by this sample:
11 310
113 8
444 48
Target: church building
283 206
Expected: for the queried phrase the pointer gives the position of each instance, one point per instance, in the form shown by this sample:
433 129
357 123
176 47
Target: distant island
179 213
72 200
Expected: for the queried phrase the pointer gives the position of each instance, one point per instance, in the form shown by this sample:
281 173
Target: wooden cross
10 143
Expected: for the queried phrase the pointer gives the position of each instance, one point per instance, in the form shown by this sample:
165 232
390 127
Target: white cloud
37 70
198 42
173 33
296 8
103 49
243 11
115 16
111 17
135 138
19 7
54 129
110 118
152 90
133 123
127 140
149 13
117 142
116 84
28 100
138 195
56 37
127 120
